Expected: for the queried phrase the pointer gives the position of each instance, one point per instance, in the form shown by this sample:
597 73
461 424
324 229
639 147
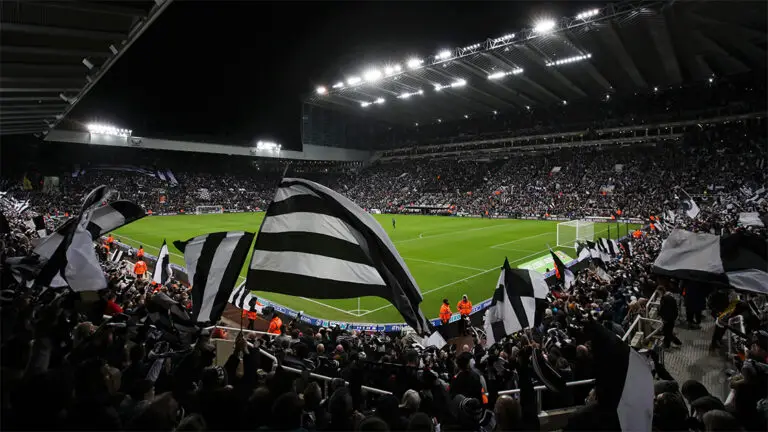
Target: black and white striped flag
609 246
738 260
623 381
562 273
162 272
245 300
213 263
515 302
316 243
68 257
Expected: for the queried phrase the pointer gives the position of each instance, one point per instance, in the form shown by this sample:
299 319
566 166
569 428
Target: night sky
233 73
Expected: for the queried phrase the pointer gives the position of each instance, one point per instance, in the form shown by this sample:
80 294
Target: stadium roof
53 53
622 48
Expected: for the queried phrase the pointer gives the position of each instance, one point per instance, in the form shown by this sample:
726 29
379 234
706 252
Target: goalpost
209 209
570 232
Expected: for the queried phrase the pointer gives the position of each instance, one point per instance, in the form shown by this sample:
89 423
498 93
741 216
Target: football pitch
448 256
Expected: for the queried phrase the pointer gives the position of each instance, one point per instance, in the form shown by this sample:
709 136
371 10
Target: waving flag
316 243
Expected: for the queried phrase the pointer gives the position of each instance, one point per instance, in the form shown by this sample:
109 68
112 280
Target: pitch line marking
449 233
149 246
520 239
443 264
460 280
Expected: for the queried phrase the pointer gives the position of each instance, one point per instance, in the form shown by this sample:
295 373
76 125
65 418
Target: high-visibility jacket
140 253
445 313
274 325
464 307
219 333
140 267
250 315
110 240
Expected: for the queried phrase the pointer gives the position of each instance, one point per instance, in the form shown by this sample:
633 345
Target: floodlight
506 37
414 63
497 75
379 101
353 80
711 79
565 102
416 124
655 89
104 129
389 70
372 75
421 92
587 14
338 85
268 146
459 83
321 90
495 112
398 68
466 116
444 54
365 104
544 26
528 107
439 120
404 96
438 87
569 60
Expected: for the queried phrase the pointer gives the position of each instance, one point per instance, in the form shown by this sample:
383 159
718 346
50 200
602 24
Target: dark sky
236 72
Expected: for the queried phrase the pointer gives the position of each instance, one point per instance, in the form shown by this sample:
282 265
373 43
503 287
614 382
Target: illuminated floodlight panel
544 26
104 129
268 146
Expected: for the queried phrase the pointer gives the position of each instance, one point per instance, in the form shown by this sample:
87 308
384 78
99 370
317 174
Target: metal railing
540 388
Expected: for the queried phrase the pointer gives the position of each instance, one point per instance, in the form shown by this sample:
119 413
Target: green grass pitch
448 256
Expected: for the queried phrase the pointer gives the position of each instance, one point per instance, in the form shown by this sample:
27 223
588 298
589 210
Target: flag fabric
515 301
609 246
316 243
68 253
213 262
626 246
562 273
739 260
162 272
623 381
753 219
582 250
39 224
245 300
689 205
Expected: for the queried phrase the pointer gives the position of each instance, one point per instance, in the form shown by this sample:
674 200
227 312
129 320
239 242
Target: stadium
555 221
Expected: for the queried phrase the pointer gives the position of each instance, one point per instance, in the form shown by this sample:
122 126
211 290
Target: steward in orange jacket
274 325
464 306
445 312
140 268
140 252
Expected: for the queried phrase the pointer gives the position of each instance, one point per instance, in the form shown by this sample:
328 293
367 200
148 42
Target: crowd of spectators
67 366
570 182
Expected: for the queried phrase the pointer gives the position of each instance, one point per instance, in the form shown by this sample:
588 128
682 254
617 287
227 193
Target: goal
209 209
570 232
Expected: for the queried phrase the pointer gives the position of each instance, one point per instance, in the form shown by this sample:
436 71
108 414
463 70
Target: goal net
209 209
570 232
